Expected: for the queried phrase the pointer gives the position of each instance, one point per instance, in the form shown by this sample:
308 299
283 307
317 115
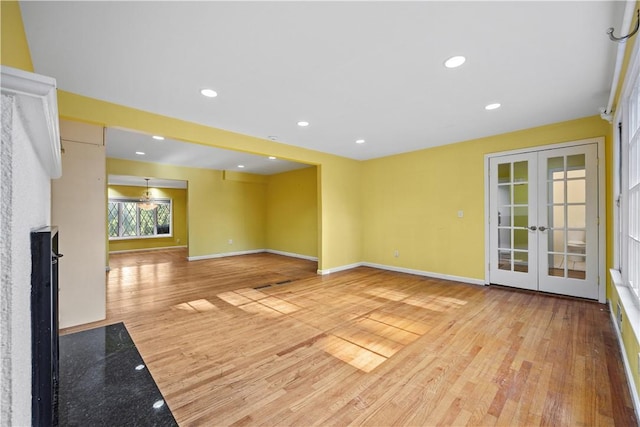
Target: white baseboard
252 251
627 367
425 273
292 255
147 249
404 270
334 269
341 268
225 254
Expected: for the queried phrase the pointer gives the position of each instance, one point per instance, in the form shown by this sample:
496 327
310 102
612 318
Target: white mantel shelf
37 104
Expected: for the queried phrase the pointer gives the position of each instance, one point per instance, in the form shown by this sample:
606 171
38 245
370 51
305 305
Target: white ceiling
137 181
371 70
124 144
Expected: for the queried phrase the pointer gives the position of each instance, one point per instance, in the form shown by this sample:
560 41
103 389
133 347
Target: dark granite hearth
104 382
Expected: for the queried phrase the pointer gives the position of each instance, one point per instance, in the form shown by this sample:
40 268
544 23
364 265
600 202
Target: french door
543 220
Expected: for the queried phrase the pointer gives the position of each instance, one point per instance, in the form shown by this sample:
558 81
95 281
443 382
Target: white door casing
543 231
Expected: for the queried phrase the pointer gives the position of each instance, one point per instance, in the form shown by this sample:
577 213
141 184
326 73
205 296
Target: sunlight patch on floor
196 306
356 356
279 305
255 302
257 308
233 298
387 331
251 293
435 303
362 336
390 294
414 326
366 343
372 342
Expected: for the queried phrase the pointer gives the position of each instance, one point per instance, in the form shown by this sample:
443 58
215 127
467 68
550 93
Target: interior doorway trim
601 205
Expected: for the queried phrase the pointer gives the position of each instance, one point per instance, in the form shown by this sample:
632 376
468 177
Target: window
126 220
627 186
630 157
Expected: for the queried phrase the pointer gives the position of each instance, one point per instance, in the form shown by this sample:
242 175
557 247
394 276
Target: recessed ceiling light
140 153
158 137
492 106
454 61
241 166
303 124
272 158
359 141
209 93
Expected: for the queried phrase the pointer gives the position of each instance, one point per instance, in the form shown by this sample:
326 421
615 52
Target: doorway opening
545 226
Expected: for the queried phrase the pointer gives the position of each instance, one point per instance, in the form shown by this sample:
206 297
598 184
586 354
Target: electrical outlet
396 253
231 241
619 316
178 240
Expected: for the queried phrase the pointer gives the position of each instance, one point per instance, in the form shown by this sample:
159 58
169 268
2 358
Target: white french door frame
601 206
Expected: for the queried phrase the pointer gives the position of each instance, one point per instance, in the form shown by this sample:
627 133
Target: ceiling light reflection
209 93
455 61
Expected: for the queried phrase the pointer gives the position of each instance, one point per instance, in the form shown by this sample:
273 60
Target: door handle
542 228
533 228
55 257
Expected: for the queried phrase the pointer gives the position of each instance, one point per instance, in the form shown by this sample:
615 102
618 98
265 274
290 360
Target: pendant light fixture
146 202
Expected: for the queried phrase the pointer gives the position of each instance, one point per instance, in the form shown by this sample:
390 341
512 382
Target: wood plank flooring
262 340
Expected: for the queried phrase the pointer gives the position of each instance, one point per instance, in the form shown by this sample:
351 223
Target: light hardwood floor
361 347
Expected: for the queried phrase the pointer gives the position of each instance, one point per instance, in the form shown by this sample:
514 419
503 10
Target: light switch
460 214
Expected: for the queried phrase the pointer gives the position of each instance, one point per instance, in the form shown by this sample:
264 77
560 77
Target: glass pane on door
521 261
513 216
566 207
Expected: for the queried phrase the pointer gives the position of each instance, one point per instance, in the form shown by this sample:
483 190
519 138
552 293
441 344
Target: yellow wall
366 210
631 345
292 212
256 212
338 183
218 209
410 201
179 236
14 50
338 178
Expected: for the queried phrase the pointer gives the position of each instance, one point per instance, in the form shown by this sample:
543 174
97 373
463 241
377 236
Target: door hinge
489 266
598 220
